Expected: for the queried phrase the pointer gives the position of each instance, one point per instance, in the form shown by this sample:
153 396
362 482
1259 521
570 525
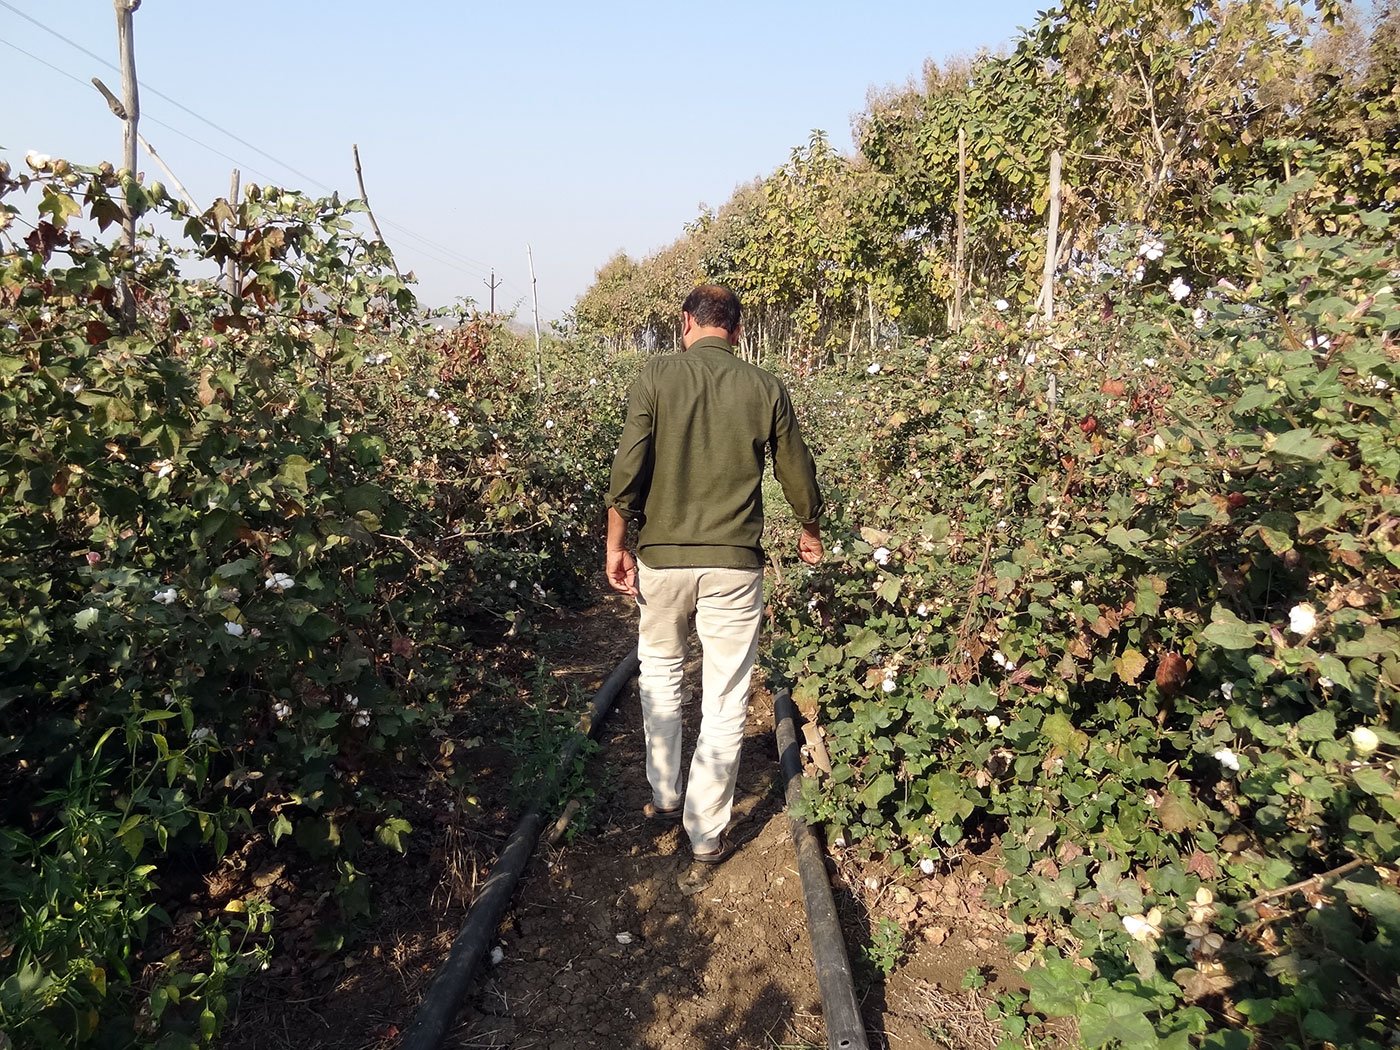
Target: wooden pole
535 297
234 280
959 263
870 307
493 284
1052 235
131 102
373 222
174 179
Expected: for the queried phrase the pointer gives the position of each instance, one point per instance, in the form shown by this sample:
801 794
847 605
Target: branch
1314 882
360 178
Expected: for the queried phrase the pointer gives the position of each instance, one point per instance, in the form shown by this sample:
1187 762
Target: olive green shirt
689 465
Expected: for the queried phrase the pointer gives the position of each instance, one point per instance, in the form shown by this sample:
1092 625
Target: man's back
691 459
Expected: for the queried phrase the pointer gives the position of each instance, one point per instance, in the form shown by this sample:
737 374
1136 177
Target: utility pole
535 296
493 284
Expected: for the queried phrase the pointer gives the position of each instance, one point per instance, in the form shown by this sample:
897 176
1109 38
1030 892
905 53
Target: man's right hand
622 572
809 544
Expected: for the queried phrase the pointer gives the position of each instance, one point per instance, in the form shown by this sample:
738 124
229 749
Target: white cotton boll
1149 362
624 938
1364 741
1302 619
889 685
279 582
922 610
1227 690
881 555
1002 305
432 393
1179 289
234 629
926 866
1076 587
873 369
1228 759
549 424
498 955
165 597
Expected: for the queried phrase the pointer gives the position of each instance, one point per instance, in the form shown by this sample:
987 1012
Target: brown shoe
669 816
722 852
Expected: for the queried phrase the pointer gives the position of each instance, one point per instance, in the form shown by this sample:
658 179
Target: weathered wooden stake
131 103
959 264
373 222
231 272
535 297
1052 236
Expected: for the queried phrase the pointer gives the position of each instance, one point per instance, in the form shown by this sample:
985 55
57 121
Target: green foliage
245 541
1123 593
886 947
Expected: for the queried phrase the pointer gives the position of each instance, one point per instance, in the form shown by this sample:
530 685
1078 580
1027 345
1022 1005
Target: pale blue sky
579 128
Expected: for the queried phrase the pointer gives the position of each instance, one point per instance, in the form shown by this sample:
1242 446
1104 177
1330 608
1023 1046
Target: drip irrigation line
844 1028
444 996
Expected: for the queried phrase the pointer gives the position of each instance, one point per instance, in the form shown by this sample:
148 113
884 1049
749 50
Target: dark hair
713 306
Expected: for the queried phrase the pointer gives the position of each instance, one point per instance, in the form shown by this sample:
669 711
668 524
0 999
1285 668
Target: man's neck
713 332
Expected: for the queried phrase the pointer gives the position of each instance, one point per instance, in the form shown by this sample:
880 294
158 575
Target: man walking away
689 471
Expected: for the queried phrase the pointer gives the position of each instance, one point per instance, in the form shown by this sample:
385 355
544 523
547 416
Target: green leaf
1373 782
863 643
1118 1019
876 791
1228 631
391 833
1060 731
294 471
1126 539
1300 444
280 826
1320 725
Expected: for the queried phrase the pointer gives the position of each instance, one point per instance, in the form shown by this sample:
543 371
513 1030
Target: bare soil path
602 948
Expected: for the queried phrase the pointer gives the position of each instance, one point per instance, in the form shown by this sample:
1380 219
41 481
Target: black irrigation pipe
844 1028
444 998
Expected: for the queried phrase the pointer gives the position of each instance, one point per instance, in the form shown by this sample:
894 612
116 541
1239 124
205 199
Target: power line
468 264
424 250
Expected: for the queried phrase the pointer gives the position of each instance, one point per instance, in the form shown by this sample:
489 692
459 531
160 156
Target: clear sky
580 128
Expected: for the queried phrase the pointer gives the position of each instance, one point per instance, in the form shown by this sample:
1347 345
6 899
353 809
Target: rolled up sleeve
632 465
793 465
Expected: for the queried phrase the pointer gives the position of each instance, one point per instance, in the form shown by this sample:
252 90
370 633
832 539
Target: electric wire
467 264
427 251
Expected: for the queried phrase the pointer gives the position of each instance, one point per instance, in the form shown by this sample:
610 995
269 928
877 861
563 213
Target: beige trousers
728 608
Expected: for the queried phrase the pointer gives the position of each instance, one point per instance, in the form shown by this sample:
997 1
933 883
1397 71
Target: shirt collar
712 341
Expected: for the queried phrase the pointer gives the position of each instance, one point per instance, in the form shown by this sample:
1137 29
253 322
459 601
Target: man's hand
622 571
809 544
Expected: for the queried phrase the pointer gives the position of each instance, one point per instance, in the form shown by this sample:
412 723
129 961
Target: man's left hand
622 572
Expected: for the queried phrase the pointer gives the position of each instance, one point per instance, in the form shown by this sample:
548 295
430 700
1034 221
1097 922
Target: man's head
710 310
